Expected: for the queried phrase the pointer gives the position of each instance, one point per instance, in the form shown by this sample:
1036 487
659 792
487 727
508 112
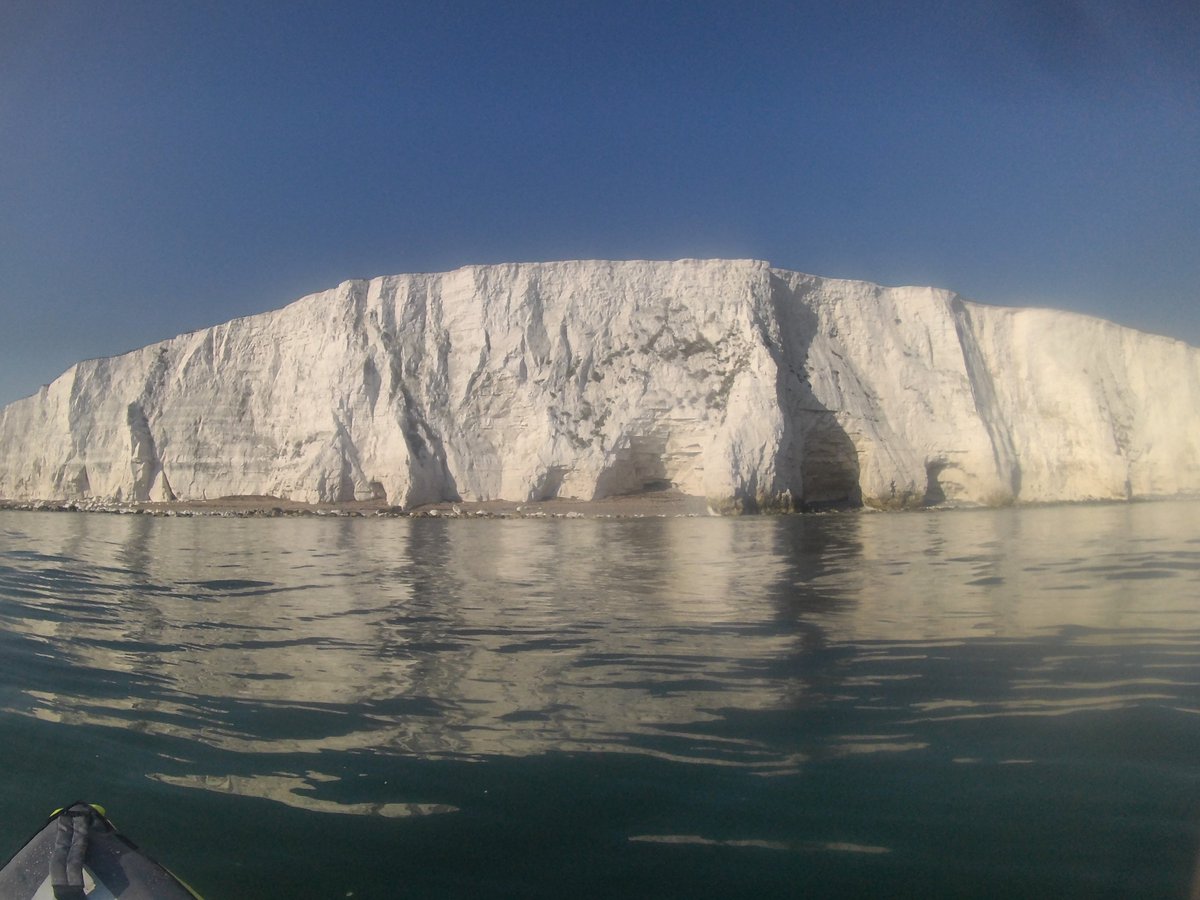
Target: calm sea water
956 704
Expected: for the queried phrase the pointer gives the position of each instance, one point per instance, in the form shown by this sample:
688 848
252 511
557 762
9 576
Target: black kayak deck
80 854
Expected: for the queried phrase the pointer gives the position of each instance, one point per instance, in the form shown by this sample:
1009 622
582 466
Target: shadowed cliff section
148 475
817 464
983 390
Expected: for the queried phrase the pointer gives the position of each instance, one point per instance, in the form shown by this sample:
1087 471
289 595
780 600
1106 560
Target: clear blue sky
168 165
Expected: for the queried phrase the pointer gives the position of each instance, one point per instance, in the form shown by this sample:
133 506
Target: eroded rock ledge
662 504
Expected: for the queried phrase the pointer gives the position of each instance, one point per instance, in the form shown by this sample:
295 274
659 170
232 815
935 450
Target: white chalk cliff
755 387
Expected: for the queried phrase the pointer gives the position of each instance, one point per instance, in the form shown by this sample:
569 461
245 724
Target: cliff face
752 386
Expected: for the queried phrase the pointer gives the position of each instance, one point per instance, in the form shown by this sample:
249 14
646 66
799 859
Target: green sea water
999 703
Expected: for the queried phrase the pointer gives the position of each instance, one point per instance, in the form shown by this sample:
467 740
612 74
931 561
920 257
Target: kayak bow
80 854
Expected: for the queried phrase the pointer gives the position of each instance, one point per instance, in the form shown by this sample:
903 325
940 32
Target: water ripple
849 674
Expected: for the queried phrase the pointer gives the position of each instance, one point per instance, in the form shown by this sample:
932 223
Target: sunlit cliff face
755 388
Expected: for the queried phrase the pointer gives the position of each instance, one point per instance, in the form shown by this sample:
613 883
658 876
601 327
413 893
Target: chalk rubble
754 387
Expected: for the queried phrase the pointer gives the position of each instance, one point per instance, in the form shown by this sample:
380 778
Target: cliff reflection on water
663 637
